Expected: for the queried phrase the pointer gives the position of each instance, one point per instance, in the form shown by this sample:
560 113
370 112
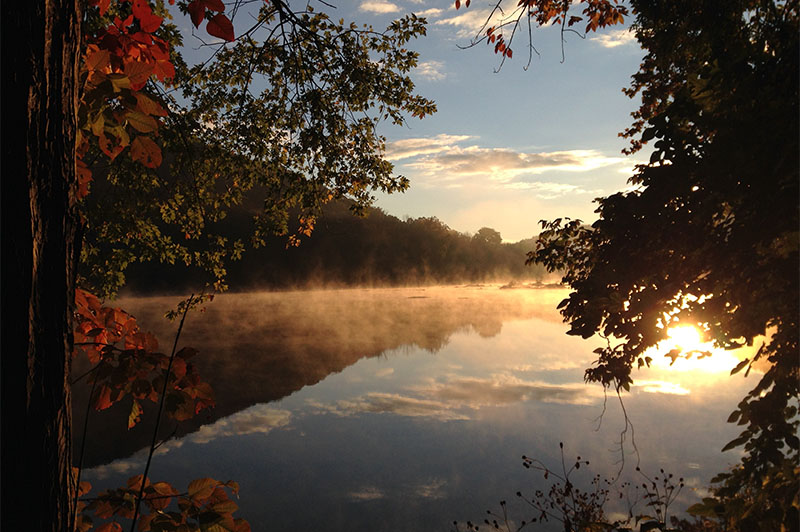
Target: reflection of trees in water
257 348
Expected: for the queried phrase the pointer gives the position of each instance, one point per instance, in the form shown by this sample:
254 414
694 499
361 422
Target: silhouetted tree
709 233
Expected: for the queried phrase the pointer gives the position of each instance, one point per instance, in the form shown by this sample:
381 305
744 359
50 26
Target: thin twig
83 445
158 415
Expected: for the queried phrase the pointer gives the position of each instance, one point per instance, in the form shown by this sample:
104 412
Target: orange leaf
144 150
220 26
109 527
97 59
103 398
135 482
201 488
138 72
241 526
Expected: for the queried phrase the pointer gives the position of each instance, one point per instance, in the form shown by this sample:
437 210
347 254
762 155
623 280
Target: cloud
504 166
469 22
669 388
379 6
414 147
431 70
614 38
432 12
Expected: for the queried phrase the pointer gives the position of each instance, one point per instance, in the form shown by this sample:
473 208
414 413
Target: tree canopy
708 233
284 117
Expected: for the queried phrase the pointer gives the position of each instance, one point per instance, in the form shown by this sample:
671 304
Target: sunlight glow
687 337
686 350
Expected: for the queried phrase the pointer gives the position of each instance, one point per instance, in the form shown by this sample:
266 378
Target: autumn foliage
500 30
116 112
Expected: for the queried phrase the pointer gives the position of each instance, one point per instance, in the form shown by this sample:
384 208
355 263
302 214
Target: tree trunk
40 58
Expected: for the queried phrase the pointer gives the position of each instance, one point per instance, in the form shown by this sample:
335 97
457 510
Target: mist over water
404 408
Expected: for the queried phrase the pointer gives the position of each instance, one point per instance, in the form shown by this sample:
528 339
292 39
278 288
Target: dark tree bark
40 58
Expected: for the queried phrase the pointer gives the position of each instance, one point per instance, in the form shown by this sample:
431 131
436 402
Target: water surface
406 409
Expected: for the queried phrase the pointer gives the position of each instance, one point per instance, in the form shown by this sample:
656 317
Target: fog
260 347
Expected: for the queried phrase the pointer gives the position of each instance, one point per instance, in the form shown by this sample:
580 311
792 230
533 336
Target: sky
509 148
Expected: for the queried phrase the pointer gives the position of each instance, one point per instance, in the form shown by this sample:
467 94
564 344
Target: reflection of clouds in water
381 403
451 399
256 419
432 489
670 388
384 372
366 493
501 389
260 418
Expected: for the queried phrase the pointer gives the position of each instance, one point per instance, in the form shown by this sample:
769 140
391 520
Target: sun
694 352
687 338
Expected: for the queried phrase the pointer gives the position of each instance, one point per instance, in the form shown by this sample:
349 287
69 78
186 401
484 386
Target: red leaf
215 5
109 527
147 20
458 4
197 10
102 5
220 26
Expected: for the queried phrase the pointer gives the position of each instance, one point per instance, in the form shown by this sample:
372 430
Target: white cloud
432 12
431 70
502 165
468 22
379 6
414 147
614 38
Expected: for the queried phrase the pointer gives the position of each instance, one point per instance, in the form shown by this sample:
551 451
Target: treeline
346 250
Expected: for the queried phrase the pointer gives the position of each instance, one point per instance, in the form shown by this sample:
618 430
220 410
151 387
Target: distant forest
346 250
